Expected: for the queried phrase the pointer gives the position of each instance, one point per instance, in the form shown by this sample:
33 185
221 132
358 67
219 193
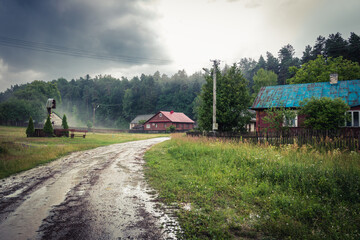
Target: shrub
30 130
324 113
65 125
171 129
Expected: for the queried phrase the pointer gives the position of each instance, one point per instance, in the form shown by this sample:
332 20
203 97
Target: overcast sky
39 38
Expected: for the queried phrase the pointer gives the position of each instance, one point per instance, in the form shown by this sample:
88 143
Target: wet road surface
95 194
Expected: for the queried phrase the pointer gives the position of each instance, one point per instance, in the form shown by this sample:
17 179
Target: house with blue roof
290 96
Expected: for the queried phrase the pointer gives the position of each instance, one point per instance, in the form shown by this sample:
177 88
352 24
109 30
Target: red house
290 96
163 120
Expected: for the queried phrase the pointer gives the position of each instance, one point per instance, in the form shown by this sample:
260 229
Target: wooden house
162 120
290 96
138 121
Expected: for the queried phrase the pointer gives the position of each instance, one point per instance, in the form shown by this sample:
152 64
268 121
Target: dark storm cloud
110 27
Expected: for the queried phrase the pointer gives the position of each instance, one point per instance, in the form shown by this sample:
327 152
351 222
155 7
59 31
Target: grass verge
242 191
19 153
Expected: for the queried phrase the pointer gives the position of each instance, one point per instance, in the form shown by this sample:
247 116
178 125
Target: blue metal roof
290 96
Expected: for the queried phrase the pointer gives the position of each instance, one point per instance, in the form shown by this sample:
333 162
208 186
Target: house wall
158 126
261 124
261 114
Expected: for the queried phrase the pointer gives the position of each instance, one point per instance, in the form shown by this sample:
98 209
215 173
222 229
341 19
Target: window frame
352 123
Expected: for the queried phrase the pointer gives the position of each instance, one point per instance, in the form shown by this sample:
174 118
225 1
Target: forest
116 102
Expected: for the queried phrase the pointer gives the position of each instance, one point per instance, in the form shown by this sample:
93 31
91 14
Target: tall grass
19 153
239 190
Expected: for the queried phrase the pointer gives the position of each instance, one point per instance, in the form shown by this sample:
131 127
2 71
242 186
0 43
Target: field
19 153
242 191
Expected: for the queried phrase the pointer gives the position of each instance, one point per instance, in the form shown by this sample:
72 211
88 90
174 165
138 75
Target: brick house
163 120
290 96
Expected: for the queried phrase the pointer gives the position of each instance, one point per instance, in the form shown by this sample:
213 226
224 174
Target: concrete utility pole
214 125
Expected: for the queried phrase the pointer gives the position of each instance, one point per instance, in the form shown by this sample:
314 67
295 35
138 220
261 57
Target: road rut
95 194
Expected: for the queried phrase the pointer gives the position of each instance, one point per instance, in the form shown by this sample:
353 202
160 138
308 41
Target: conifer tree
65 125
48 129
30 130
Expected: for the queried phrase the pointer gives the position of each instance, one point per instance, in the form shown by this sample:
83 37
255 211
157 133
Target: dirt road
95 194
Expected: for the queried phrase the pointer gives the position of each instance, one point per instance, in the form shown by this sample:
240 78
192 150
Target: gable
290 96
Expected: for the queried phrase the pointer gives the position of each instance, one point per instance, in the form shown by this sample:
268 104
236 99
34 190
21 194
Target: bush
89 125
171 129
65 125
30 130
324 113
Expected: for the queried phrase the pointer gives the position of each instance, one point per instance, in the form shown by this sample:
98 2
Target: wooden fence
344 138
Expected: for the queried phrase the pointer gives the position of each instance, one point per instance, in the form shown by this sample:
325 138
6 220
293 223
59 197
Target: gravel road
95 194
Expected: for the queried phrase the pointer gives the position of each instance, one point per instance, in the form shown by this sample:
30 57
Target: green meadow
243 191
19 153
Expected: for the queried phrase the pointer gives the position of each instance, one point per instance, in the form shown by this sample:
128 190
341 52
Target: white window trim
352 118
295 121
148 125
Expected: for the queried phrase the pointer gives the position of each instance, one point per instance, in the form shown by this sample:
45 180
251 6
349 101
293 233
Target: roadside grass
243 191
19 153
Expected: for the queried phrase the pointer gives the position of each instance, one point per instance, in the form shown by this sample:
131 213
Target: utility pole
214 125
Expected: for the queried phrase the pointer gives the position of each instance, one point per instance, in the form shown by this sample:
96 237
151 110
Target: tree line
116 102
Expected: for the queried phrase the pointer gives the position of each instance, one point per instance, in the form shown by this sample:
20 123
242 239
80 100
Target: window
291 122
165 125
160 115
147 125
156 125
353 118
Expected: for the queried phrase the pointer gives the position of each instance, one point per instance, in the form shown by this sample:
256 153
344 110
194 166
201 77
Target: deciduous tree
233 100
319 70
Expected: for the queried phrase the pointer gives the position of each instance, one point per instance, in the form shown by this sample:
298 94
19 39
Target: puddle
26 219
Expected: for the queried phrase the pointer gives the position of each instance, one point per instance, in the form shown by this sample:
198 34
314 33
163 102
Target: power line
50 48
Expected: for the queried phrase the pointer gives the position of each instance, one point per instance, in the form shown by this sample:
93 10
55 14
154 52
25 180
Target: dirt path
95 194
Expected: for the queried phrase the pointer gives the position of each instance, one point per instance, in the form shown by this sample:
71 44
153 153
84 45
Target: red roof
175 117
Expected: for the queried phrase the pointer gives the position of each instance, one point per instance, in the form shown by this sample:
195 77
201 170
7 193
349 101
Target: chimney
334 78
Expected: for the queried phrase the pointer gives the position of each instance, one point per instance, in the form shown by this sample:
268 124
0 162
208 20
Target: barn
290 96
162 120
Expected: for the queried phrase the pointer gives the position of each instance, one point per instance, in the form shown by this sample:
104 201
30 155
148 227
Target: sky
49 39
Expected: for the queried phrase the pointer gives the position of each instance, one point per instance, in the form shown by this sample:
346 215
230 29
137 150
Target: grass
243 191
19 153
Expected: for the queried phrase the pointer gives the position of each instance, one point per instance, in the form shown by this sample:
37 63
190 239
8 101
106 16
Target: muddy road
95 194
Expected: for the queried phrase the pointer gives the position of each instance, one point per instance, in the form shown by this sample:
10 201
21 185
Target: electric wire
50 48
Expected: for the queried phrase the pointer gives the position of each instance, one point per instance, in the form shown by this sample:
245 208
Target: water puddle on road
26 219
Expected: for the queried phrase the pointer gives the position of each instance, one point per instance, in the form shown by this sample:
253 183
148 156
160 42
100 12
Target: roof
139 118
176 117
290 96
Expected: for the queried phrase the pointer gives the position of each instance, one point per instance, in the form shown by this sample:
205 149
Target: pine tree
65 125
30 130
48 129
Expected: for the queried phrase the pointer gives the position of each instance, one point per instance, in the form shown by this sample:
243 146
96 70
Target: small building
162 120
137 123
290 96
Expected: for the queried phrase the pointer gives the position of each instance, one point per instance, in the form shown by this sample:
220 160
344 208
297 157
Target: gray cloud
111 27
